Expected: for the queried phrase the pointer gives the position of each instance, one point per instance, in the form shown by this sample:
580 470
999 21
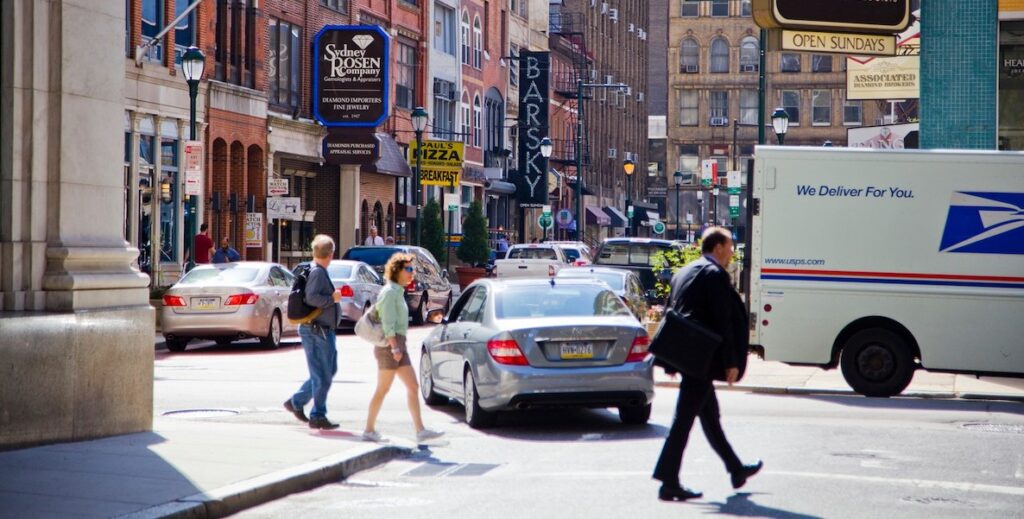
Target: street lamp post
192 64
677 178
545 151
419 123
780 123
628 166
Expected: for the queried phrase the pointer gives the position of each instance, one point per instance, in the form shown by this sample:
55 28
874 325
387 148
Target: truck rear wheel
877 362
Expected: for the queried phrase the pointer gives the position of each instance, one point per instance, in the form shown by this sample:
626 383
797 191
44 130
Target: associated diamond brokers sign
350 75
531 183
872 16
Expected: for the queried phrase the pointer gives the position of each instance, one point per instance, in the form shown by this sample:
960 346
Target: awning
392 160
596 216
618 219
500 187
642 214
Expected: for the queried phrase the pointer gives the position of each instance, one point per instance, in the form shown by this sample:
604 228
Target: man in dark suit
702 291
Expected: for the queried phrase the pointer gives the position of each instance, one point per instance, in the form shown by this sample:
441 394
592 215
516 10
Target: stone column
350 201
80 364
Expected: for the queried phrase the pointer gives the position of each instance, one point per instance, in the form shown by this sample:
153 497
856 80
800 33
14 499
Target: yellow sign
839 43
438 154
439 177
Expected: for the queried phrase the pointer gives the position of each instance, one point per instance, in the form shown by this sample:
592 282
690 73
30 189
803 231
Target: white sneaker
428 434
374 436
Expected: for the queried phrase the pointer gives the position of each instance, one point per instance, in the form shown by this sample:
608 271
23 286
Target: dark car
634 254
431 290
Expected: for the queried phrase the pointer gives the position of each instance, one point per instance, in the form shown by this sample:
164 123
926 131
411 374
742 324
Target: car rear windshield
339 271
614 280
533 253
571 254
517 302
629 253
375 256
232 274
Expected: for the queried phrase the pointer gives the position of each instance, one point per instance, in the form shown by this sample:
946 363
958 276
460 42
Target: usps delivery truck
884 262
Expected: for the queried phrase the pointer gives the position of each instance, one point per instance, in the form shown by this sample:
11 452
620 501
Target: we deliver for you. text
854 192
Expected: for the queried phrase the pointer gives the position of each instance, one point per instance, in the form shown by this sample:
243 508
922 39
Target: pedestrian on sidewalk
393 356
226 253
318 339
702 291
202 245
374 238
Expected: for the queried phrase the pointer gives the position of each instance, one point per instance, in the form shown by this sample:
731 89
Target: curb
252 492
796 390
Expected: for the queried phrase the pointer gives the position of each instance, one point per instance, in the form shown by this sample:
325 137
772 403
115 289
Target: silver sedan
359 285
533 343
227 302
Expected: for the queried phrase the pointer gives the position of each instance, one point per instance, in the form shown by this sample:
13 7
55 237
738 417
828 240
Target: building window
444 109
444 29
465 38
853 112
719 107
513 66
405 75
748 106
688 107
745 8
185 31
412 2
821 63
284 71
791 103
235 42
719 55
789 63
689 160
466 128
750 55
719 7
689 56
690 9
478 44
478 116
167 193
338 5
152 22
821 107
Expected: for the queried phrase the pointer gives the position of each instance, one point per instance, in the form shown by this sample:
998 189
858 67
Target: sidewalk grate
995 427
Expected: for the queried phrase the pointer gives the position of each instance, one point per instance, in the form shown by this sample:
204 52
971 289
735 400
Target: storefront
378 188
1011 79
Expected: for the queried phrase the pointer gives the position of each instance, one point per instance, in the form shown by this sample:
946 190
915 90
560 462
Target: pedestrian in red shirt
203 244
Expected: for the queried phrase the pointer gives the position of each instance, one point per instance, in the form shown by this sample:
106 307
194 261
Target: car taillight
411 287
174 301
346 291
242 299
579 263
506 351
638 351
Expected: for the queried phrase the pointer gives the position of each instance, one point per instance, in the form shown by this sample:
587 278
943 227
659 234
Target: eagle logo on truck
984 223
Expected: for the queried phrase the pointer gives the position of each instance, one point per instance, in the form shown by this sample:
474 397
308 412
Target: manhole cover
200 413
995 427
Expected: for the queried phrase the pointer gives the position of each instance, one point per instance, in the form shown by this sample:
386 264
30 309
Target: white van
882 262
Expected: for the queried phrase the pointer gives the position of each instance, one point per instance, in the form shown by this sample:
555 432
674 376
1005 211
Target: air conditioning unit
444 89
593 3
632 28
643 34
609 79
748 68
640 97
613 153
593 74
719 121
604 7
690 69
613 14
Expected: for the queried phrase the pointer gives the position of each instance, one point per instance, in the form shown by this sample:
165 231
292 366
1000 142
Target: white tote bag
369 329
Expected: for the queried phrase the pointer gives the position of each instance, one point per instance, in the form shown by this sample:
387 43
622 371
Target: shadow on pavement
916 404
557 425
740 505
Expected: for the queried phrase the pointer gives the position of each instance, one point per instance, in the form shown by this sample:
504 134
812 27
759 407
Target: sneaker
297 411
374 436
321 422
428 434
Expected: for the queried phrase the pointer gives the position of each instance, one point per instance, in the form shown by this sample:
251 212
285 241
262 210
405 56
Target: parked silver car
529 343
359 285
227 302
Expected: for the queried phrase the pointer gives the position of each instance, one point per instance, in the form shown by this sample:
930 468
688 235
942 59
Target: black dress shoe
321 422
299 413
667 493
739 478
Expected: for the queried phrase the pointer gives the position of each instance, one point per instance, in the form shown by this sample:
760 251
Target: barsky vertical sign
531 183
350 76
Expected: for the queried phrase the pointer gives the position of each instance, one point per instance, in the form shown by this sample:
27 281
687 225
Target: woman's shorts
385 360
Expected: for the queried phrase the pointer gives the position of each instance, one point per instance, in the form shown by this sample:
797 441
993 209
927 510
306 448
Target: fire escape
566 30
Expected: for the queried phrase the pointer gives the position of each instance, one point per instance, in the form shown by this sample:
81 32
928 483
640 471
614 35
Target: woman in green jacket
393 356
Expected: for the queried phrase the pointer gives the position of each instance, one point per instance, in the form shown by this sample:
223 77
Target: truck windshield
538 253
629 253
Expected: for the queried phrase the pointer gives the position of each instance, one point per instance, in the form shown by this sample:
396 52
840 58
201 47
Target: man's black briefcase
685 345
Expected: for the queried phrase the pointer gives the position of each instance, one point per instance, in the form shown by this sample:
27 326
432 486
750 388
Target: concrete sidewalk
184 468
778 378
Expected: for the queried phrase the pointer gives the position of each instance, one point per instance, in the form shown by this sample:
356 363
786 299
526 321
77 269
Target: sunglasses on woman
409 269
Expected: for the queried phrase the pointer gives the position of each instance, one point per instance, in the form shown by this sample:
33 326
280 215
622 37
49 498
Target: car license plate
205 303
577 350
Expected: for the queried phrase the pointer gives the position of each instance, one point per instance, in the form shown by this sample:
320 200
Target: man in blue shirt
226 253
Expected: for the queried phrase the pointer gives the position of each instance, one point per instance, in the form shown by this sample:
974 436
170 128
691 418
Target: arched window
378 219
750 54
477 121
465 117
689 56
364 221
478 43
719 55
465 37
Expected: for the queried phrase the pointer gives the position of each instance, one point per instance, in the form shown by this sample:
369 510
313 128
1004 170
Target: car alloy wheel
273 338
476 417
430 396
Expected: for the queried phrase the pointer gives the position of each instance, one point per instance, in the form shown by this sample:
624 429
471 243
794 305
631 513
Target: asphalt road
833 456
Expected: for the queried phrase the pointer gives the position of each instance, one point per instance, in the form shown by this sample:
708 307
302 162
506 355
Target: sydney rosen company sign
350 73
